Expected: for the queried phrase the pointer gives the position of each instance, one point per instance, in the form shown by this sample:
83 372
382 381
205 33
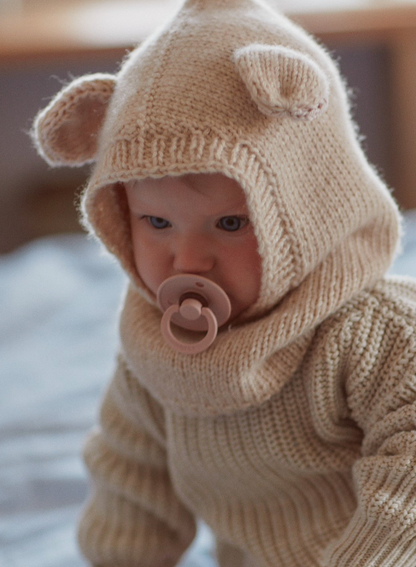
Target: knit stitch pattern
321 473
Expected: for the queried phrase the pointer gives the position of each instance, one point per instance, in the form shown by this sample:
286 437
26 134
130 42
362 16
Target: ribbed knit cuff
366 543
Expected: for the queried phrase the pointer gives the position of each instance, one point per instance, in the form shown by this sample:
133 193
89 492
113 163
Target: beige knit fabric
322 473
293 435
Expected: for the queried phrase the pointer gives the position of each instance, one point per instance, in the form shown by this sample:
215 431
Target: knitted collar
244 367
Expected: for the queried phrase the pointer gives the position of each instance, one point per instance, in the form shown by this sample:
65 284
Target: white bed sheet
58 337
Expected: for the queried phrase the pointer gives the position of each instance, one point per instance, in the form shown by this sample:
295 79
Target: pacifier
193 303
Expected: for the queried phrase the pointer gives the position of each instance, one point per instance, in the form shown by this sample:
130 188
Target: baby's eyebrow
138 202
235 208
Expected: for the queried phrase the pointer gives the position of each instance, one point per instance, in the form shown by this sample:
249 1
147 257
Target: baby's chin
237 308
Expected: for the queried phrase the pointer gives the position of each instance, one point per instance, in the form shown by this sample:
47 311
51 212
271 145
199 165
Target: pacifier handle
192 306
194 303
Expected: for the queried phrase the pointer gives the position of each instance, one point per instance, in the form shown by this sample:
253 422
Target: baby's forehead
212 188
196 181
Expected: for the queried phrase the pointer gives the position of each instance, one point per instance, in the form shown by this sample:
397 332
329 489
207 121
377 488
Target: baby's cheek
245 263
147 263
253 268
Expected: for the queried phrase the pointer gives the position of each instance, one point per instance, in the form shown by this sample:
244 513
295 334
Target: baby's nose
193 256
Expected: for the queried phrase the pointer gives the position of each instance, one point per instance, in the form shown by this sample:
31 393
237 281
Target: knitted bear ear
281 80
66 131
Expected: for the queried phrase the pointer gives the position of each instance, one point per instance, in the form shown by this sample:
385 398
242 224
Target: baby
224 152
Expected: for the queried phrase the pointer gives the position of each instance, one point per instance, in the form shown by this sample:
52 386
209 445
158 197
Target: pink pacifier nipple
193 303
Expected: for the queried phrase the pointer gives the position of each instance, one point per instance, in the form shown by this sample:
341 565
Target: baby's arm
381 390
133 518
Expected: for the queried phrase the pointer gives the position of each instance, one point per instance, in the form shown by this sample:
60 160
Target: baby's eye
158 222
232 223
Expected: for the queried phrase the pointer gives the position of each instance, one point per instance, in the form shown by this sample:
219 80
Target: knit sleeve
381 394
133 517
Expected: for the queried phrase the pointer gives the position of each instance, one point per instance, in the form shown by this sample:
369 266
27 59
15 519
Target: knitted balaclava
231 86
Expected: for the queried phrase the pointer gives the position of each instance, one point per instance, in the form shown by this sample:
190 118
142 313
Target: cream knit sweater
293 436
310 461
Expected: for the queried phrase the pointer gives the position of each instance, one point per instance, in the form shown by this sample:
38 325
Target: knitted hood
231 86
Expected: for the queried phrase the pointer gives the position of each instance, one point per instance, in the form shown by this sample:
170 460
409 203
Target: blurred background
43 44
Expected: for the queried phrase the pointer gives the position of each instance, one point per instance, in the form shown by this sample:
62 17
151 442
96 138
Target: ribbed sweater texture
294 435
321 473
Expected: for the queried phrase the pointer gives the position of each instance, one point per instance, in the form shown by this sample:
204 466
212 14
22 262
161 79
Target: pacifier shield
195 304
176 289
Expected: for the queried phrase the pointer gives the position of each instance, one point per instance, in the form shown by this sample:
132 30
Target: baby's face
195 224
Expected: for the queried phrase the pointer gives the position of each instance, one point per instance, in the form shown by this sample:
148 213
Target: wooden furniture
104 28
